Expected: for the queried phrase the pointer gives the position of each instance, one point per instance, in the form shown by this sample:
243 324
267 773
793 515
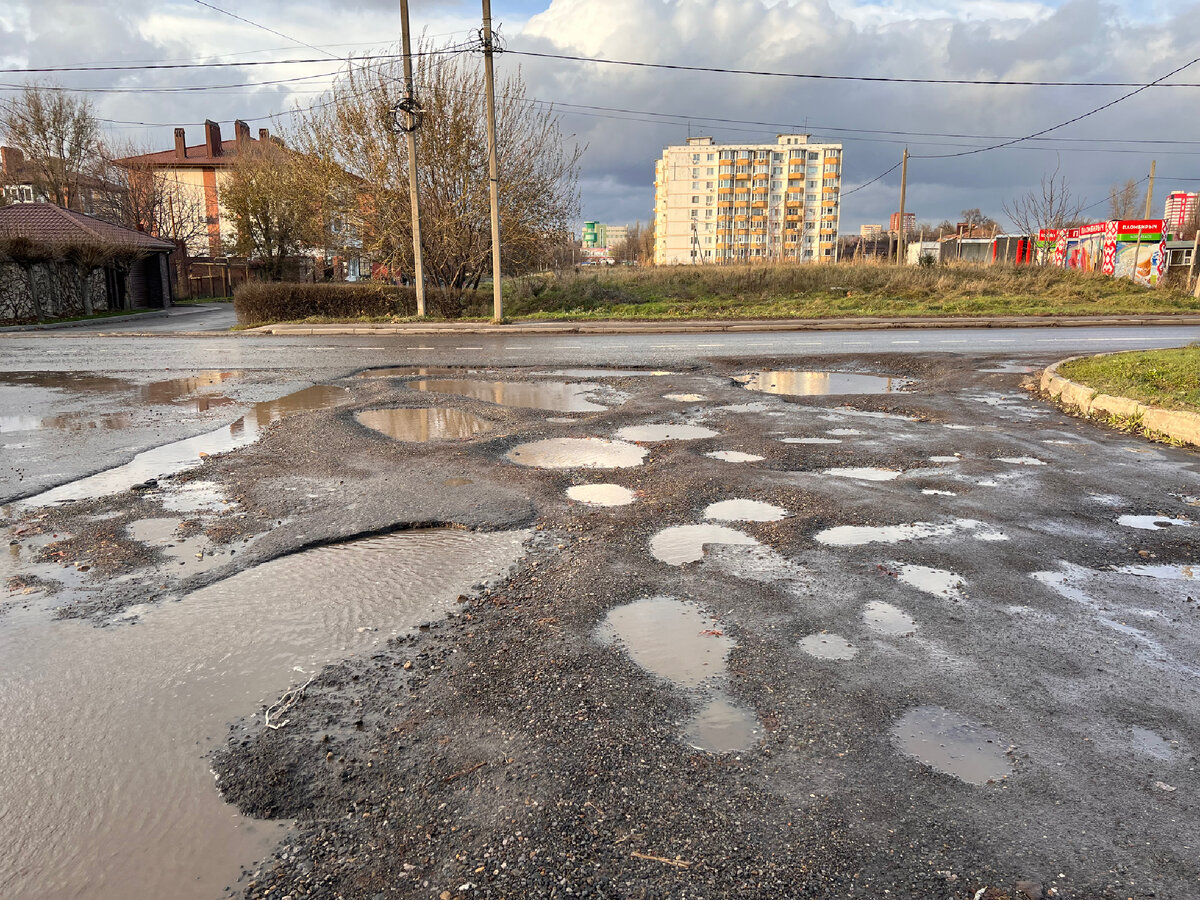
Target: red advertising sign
1092 230
1146 229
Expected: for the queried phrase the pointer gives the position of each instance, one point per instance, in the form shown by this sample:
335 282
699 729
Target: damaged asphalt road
956 653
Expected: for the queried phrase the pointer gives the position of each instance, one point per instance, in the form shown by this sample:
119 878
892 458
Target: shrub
260 303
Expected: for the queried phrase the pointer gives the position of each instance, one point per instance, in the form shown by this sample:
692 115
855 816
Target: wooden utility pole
411 123
1195 259
1150 189
903 190
493 174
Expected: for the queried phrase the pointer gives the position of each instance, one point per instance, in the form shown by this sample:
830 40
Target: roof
197 155
50 224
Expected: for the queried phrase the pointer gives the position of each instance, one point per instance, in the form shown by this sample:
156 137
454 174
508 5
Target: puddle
184 556
844 432
196 497
723 727
864 473
828 646
934 492
682 544
424 425
744 511
952 744
1165 572
603 373
809 384
1021 460
673 639
108 792
734 456
685 398
407 371
946 459
811 440
1148 742
1153 523
188 453
539 395
653 433
561 420
856 535
577 453
884 618
938 582
601 494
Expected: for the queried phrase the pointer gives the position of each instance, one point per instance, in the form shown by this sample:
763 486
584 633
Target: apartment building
721 203
1179 208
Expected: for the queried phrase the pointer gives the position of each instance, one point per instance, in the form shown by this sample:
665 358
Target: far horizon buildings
910 222
870 232
1178 211
722 203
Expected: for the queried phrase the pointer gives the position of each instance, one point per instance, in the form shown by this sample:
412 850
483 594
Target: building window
695 187
710 171
696 199
695 157
812 154
710 157
708 185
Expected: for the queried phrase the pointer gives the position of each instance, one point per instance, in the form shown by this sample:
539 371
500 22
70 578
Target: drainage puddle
828 646
170 459
108 792
883 618
682 544
856 535
677 641
864 473
424 425
541 395
744 511
653 433
734 456
952 744
938 582
601 494
1153 523
577 453
810 384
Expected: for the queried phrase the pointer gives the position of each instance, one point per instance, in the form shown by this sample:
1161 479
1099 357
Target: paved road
88 351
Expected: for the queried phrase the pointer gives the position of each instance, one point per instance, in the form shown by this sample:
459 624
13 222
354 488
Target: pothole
811 440
682 544
856 535
605 373
721 726
1021 460
825 645
863 473
654 433
196 497
739 510
935 492
734 456
685 398
601 494
1151 744
952 744
424 425
538 395
844 432
185 556
883 618
1164 572
1153 523
938 582
578 453
409 371
673 639
812 383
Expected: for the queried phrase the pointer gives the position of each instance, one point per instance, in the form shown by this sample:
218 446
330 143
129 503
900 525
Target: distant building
721 203
1179 209
615 235
870 232
22 184
910 221
595 234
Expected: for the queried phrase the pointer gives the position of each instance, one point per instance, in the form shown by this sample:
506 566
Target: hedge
261 303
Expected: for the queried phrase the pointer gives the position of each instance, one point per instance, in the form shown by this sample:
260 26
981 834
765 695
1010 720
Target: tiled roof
197 155
50 224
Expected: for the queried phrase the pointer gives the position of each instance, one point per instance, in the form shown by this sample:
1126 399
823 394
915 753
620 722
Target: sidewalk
100 322
685 326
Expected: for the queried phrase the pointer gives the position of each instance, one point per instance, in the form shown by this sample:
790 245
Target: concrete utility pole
903 191
493 174
410 129
1150 189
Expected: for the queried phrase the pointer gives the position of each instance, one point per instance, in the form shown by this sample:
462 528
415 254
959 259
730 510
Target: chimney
264 135
241 132
180 144
212 138
11 159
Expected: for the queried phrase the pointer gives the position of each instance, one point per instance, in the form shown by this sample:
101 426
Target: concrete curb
1175 424
714 326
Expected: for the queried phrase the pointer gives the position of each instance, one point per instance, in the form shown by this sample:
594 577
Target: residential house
22 183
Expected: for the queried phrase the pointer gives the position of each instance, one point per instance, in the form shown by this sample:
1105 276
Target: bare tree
148 198
1123 200
974 218
1052 206
58 135
352 139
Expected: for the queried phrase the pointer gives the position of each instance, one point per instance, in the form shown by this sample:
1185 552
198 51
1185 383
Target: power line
868 183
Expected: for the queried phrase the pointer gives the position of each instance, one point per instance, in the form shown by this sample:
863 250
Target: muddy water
107 792
739 510
407 371
856 535
721 726
682 544
1153 523
577 453
424 425
811 440
541 395
685 398
864 473
653 433
188 453
952 744
809 384
601 494
184 556
734 456
828 646
938 582
1166 572
603 373
883 618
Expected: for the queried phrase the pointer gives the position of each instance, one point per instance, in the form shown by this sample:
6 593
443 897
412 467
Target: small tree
974 218
59 137
1123 200
1052 206
269 194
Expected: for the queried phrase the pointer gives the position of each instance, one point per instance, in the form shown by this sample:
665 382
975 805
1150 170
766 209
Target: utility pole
412 111
903 190
1150 189
493 174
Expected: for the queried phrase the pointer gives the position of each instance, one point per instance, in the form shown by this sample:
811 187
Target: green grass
110 314
1164 378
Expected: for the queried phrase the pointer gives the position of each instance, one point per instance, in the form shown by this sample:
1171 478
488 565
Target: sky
1026 40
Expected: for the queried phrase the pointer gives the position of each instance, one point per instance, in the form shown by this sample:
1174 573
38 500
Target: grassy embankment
1169 379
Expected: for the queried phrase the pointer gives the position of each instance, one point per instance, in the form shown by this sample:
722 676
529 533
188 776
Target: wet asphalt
517 750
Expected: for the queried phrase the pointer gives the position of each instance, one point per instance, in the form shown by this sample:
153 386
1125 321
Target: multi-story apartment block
910 222
721 203
1179 208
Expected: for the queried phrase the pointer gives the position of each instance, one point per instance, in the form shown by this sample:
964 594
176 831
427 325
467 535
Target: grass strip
1169 379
